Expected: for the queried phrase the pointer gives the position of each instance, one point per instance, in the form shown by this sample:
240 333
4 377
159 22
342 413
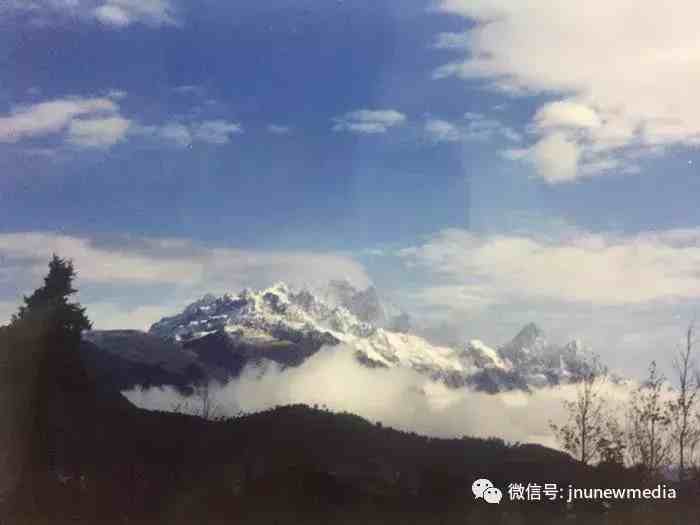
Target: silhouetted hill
92 457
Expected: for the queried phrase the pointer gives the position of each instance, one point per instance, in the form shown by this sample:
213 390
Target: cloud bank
115 277
400 398
619 75
597 269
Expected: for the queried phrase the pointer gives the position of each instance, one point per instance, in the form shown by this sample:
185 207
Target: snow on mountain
541 363
261 315
279 313
525 346
263 321
484 356
363 304
366 305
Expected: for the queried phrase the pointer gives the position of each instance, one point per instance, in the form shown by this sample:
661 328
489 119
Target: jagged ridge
303 322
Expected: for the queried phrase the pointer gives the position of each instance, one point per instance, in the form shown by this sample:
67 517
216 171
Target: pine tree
49 305
51 390
55 325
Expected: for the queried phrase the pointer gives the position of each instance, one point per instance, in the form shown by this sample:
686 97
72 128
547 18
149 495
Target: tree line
655 430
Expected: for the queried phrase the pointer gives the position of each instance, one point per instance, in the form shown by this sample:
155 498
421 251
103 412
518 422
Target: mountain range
215 338
73 453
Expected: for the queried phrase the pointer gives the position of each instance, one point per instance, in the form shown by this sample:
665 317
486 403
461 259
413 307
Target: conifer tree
49 305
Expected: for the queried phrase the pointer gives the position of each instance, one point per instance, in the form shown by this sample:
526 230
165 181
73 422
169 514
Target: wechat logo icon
484 489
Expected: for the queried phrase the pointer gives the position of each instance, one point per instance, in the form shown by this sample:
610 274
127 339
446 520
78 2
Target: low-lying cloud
400 398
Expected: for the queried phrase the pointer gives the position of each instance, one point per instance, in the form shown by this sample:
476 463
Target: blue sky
484 164
297 67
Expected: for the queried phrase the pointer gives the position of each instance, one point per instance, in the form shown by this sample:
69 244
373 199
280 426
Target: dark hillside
72 450
91 457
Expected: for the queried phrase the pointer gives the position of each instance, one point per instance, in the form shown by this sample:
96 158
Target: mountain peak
530 332
275 308
529 342
363 304
484 356
261 322
280 287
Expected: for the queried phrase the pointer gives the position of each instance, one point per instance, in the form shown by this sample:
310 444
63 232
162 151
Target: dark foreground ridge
74 453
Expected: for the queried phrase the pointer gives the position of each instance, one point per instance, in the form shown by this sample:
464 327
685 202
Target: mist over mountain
215 338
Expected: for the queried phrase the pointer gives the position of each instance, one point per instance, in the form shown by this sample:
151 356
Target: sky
484 163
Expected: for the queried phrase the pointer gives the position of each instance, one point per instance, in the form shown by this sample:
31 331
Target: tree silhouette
648 421
584 433
49 305
685 429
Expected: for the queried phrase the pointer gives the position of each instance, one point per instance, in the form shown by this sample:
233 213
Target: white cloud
176 261
480 127
620 71
117 94
580 268
603 165
97 264
566 114
366 121
83 122
51 117
476 128
443 131
150 12
112 13
452 41
400 398
97 132
562 153
216 131
556 158
188 270
121 13
279 129
184 134
176 133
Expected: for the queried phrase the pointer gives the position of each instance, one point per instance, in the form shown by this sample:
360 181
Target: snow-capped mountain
365 305
281 317
541 363
286 325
